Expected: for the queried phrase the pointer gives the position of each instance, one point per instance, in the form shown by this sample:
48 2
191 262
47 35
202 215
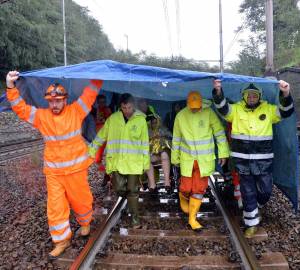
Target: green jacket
127 149
193 139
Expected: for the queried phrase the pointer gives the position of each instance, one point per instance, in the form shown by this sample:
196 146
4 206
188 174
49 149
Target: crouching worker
251 143
65 156
193 149
127 151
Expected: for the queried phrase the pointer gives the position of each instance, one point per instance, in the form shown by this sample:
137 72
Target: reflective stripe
237 193
58 165
193 152
85 220
251 222
221 104
83 215
32 114
16 101
251 156
83 106
221 140
94 88
286 108
62 236
99 140
199 142
192 143
198 196
251 214
63 137
127 151
59 226
278 112
128 142
251 138
176 139
222 132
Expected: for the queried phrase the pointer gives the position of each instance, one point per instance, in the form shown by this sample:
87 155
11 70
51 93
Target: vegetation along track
166 242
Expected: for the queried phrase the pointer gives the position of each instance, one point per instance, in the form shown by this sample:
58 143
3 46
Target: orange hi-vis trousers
65 191
195 185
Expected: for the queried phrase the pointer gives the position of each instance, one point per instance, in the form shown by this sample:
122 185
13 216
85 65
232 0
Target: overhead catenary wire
167 21
240 30
178 26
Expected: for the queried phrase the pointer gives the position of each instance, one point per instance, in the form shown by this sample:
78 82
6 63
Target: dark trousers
255 189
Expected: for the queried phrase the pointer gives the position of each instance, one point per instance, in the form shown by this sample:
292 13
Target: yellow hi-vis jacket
193 139
252 130
127 148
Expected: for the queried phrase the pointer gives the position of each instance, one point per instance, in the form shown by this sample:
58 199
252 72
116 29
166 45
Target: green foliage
250 62
176 62
286 25
31 35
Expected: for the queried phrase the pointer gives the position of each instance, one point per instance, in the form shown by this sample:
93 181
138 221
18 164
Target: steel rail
247 256
16 150
11 145
87 256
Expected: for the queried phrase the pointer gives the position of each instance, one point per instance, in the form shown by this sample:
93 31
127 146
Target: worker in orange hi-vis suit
65 156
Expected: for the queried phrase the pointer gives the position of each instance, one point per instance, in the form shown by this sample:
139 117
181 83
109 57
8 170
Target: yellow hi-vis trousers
65 191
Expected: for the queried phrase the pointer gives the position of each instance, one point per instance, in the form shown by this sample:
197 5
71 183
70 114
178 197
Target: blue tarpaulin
163 86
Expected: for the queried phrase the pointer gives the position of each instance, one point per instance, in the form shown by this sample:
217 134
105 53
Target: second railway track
17 149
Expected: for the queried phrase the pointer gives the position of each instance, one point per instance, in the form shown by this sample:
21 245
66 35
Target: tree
32 37
250 61
286 27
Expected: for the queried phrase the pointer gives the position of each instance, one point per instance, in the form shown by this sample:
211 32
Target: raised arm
86 100
18 104
286 105
221 103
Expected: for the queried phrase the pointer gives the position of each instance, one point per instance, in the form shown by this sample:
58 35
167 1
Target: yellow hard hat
194 100
56 91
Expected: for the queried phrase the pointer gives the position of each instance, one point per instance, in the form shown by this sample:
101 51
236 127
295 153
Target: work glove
97 83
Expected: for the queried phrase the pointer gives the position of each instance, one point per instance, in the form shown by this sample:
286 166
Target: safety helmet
56 91
251 88
194 100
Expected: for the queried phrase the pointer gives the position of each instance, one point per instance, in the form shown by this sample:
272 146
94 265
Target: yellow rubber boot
60 247
184 203
85 230
194 207
250 232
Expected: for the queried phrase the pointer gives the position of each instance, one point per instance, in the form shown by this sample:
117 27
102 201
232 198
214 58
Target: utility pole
221 37
126 36
269 33
64 29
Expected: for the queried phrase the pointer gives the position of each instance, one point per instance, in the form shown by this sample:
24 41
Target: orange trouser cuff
194 184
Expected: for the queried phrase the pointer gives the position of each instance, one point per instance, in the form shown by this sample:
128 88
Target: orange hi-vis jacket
65 150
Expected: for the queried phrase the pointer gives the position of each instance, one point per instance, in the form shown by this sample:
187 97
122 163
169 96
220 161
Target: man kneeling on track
65 156
127 151
193 149
251 144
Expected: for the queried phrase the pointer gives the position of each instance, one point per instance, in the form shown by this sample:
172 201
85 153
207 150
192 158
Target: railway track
165 241
17 149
